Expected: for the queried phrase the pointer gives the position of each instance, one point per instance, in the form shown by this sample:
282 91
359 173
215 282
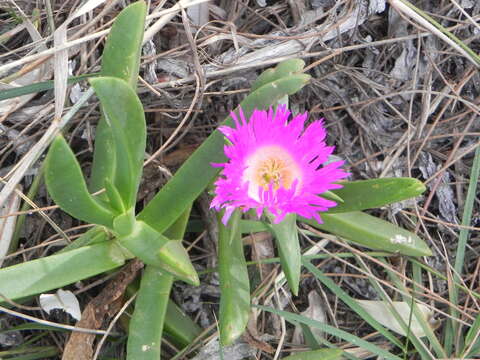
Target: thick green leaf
144 242
253 226
123 112
374 193
389 314
196 173
153 308
66 185
103 165
286 236
284 69
155 249
372 232
175 260
146 325
120 59
121 55
323 354
176 231
114 198
329 195
179 326
124 224
234 282
95 235
174 256
52 272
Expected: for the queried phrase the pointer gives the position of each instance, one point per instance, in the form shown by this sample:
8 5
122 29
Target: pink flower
276 165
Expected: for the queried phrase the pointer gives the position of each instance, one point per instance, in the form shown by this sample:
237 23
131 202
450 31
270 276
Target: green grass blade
286 236
234 282
294 318
426 327
469 52
462 244
420 346
67 186
472 340
352 304
30 353
375 193
40 86
196 173
372 232
146 325
52 272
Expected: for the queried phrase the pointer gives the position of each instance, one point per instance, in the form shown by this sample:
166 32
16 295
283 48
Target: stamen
270 165
273 171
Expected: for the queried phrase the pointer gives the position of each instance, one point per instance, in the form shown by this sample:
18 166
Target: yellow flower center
270 165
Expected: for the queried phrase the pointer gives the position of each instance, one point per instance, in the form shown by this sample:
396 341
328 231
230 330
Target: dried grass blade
168 15
429 23
60 70
7 224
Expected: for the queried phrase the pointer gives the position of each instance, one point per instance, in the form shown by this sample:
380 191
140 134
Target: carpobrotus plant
275 167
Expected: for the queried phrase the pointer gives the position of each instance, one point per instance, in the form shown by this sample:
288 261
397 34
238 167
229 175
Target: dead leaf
314 311
63 300
7 224
382 312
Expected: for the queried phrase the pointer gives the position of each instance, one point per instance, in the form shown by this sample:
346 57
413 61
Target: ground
399 98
